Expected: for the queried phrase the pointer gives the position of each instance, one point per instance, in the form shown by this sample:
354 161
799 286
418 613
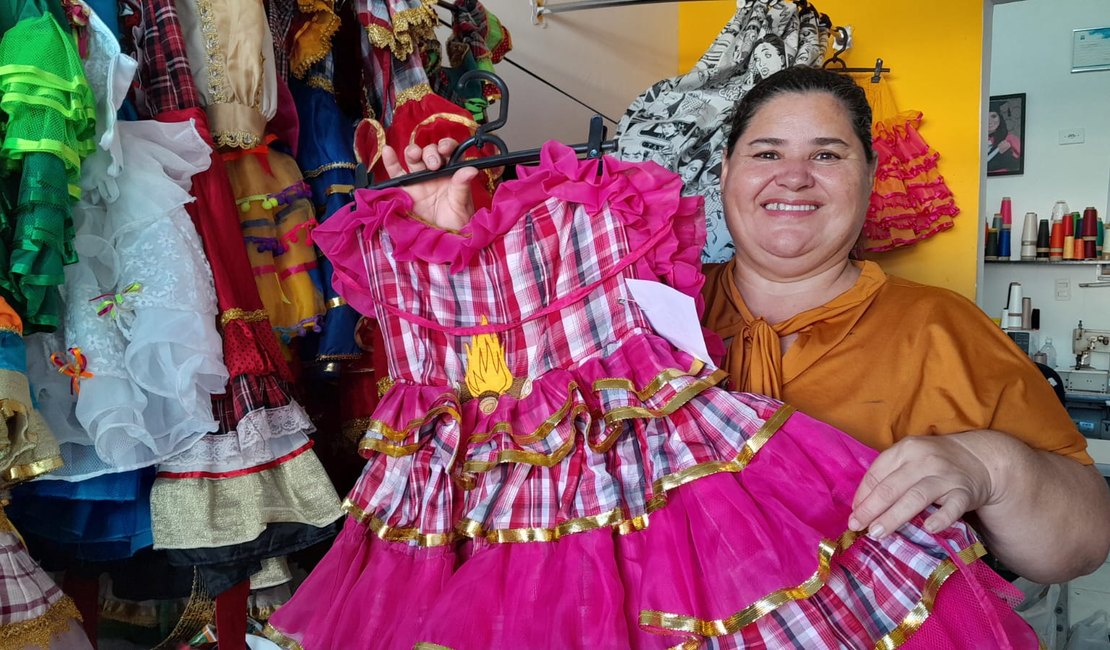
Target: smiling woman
962 418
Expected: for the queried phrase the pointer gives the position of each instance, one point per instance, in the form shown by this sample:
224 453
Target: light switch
1072 136
1063 289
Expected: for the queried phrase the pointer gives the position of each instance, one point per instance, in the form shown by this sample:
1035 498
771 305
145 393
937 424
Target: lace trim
40 631
217 73
235 313
615 519
415 93
254 442
322 83
320 37
236 139
408 27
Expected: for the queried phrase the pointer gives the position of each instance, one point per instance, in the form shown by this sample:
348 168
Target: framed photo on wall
1006 135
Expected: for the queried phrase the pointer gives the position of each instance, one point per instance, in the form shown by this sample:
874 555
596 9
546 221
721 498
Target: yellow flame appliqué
486 371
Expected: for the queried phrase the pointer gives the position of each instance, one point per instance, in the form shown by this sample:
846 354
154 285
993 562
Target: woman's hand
443 202
1045 516
922 470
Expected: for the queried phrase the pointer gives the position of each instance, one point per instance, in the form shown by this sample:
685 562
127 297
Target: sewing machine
1087 387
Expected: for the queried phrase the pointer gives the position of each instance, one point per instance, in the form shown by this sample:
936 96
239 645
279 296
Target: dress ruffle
642 196
910 200
35 613
661 569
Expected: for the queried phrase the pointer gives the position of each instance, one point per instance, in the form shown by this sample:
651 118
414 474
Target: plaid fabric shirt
165 78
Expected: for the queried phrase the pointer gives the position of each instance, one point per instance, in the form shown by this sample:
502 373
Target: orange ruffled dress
910 200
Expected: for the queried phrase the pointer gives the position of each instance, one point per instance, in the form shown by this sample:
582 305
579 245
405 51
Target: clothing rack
540 9
594 147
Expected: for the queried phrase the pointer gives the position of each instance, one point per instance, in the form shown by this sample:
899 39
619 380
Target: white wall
603 57
1031 54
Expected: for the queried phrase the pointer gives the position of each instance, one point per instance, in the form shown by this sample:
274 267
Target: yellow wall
935 52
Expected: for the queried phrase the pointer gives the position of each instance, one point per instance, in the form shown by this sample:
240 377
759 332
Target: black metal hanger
595 145
837 64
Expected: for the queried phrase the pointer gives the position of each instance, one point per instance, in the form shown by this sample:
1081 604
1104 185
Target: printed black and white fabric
682 123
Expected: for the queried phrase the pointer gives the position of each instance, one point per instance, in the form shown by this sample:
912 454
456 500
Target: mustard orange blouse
891 358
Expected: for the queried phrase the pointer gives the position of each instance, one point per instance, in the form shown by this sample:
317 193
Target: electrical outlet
1073 136
1063 289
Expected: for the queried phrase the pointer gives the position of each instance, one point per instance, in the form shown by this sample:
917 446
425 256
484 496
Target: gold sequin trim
277 637
390 534
409 26
313 173
337 301
525 457
654 386
217 73
339 188
40 631
235 313
6 524
393 451
614 417
13 330
19 473
318 31
130 612
379 135
199 611
430 646
412 94
827 550
614 519
384 384
917 616
337 357
449 117
321 82
236 139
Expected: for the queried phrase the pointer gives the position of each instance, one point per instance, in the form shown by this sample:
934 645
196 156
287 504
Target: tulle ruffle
726 544
642 196
910 200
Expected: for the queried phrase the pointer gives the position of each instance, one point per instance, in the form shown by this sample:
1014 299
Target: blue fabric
13 352
101 519
326 137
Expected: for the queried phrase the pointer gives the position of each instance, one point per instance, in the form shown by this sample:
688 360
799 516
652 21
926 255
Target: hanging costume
49 130
683 123
910 200
546 471
254 489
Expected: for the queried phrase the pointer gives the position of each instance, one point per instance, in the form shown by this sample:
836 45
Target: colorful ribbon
75 369
78 16
110 303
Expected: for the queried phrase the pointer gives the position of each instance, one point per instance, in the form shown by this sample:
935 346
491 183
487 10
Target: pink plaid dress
546 472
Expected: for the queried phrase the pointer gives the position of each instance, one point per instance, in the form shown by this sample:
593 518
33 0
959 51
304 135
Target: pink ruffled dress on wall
547 472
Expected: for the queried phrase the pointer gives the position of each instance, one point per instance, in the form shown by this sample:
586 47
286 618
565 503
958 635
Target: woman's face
797 186
993 120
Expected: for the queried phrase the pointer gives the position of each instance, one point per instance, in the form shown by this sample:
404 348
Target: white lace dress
140 301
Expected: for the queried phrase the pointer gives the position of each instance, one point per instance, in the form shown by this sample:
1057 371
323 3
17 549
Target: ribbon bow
110 303
78 16
75 369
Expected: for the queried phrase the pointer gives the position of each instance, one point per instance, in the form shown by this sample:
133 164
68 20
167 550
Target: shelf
1059 263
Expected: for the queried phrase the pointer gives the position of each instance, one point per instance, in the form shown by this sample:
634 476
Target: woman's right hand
443 202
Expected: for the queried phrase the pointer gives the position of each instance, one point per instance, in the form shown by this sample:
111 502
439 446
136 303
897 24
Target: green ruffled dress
49 113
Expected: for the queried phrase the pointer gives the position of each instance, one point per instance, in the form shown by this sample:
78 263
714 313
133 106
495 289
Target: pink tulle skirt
750 553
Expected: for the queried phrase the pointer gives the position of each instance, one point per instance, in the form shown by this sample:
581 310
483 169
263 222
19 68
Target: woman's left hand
949 471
